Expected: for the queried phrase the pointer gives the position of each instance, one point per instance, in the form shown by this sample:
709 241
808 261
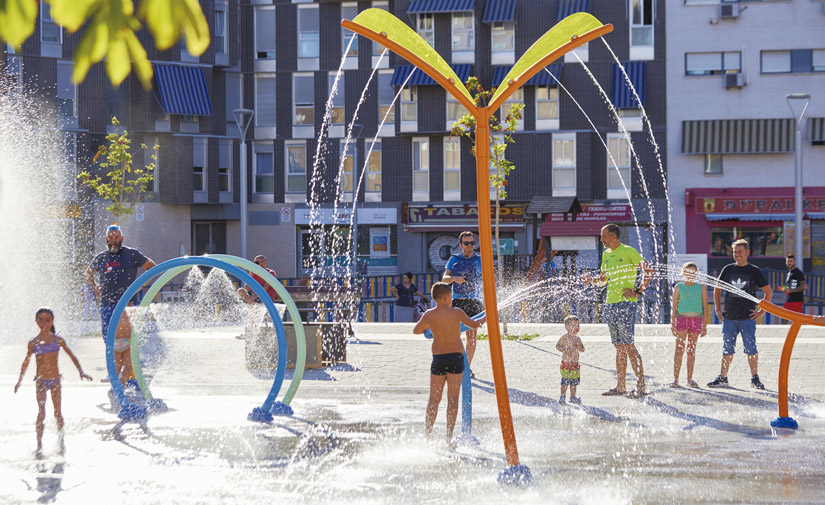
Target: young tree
500 137
126 185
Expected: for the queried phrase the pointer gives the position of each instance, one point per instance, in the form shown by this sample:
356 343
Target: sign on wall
379 241
755 205
599 213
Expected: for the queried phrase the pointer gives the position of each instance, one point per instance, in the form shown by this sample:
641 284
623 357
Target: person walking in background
464 272
620 267
794 287
740 314
688 321
405 292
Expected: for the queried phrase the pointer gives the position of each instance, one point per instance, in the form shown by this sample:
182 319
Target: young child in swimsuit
570 345
45 347
688 321
448 353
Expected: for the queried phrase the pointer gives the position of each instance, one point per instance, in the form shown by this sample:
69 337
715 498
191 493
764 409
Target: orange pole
485 237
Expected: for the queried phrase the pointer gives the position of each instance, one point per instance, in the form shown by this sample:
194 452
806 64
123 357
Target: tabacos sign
758 205
444 214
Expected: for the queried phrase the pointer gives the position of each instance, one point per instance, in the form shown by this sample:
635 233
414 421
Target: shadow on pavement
709 422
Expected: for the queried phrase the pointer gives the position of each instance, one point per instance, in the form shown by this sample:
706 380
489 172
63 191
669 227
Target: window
776 62
265 101
377 49
308 32
641 22
49 31
198 164
818 60
503 37
421 169
66 90
713 164
713 63
517 97
564 164
455 110
337 111
547 102
386 95
374 170
303 92
618 166
234 101
349 11
463 33
347 151
452 169
296 175
225 166
265 33
409 104
220 29
426 28
764 241
264 169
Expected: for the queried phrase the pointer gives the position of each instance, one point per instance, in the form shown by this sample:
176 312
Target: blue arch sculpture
130 411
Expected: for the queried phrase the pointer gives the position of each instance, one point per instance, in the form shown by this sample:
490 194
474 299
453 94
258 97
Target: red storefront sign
756 205
457 214
599 213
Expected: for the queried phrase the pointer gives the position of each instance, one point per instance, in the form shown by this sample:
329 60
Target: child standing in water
570 345
688 321
45 347
448 353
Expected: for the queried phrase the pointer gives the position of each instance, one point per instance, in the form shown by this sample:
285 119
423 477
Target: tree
110 31
500 137
126 186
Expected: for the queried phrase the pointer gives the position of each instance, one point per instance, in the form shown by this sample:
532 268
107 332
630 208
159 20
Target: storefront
435 229
763 216
325 240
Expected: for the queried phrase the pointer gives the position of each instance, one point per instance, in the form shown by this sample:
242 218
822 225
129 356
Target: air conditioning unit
734 80
729 11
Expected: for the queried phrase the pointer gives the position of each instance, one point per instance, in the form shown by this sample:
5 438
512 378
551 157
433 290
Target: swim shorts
443 364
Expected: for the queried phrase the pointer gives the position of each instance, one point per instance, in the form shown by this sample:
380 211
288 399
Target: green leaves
110 32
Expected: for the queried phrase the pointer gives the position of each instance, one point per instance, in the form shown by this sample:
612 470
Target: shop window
763 240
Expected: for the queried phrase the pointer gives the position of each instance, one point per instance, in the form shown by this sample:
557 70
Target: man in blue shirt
464 272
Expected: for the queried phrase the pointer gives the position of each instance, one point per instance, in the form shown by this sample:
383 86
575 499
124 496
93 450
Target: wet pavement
356 436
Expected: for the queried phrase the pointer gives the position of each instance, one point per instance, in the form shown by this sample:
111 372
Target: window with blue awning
623 97
421 79
568 7
183 90
499 11
434 6
540 79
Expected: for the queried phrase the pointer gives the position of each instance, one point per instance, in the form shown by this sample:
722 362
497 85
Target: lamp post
804 99
243 126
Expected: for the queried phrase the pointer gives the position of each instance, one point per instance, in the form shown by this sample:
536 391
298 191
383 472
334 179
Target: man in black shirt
740 313
794 286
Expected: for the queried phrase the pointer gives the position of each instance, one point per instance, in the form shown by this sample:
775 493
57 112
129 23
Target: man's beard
115 248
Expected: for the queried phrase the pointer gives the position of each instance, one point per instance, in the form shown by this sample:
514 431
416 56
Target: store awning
542 205
428 6
623 97
429 227
570 229
816 129
750 217
499 11
421 79
738 136
543 78
183 90
567 7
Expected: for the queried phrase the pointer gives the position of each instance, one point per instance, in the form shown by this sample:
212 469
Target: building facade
731 132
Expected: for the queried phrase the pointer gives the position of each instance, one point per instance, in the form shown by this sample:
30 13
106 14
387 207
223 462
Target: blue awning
426 6
567 7
749 217
499 11
622 93
183 90
540 79
421 79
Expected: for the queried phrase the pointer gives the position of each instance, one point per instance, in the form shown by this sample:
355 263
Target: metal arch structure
383 28
131 411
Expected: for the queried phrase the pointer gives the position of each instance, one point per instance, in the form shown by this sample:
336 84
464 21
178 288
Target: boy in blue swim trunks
448 353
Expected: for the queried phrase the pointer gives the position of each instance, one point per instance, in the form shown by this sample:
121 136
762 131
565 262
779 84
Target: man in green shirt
620 266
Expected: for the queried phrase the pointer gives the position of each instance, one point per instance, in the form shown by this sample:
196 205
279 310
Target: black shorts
443 364
470 306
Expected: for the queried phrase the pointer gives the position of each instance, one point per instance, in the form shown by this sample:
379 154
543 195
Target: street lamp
243 126
791 99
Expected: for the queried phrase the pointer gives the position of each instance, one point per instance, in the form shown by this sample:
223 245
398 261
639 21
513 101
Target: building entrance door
208 237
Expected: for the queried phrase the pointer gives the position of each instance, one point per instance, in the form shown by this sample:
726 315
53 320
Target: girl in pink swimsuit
688 321
45 347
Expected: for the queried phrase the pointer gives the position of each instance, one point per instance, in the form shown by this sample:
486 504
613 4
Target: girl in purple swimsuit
45 347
